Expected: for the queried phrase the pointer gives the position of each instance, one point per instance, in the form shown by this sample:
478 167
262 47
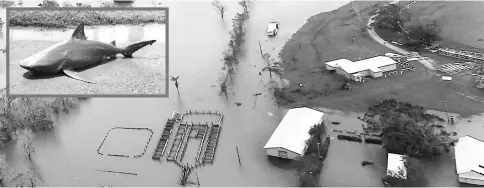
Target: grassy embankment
64 19
328 36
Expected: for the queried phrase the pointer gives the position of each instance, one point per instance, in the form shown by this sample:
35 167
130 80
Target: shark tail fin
130 49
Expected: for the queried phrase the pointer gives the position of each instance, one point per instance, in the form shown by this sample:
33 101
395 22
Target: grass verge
65 18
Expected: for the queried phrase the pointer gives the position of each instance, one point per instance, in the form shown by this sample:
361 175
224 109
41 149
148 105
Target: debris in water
364 163
468 120
335 123
257 94
260 73
270 114
238 103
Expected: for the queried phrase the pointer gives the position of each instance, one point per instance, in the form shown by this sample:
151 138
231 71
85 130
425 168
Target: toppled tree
221 8
424 35
415 172
408 129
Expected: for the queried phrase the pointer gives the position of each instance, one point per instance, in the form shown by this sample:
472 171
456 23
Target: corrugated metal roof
469 154
293 131
395 163
365 64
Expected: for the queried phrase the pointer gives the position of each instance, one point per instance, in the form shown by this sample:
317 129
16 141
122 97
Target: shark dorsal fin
113 43
79 33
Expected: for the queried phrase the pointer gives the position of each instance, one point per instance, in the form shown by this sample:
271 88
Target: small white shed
289 138
396 166
469 160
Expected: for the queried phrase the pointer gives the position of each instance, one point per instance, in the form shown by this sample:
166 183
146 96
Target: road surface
378 39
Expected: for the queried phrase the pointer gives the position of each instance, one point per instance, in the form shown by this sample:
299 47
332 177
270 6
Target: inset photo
88 52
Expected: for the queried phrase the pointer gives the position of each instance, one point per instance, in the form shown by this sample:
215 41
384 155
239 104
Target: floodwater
342 166
198 36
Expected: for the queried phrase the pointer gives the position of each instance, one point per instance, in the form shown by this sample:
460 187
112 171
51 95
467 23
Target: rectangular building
373 67
396 166
289 139
469 160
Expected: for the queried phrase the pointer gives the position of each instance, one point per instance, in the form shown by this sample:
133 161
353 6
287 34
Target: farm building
469 160
289 138
373 67
396 166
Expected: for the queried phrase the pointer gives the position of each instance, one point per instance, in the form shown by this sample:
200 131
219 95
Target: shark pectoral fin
76 76
79 33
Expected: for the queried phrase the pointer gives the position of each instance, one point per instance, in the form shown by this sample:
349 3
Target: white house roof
469 154
293 131
372 64
395 163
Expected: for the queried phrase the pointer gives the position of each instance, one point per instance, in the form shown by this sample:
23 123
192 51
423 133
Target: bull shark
77 53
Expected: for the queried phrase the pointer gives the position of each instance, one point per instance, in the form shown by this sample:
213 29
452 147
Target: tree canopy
425 35
408 129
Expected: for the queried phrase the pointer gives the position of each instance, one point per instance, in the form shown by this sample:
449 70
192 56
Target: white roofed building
374 67
396 166
289 138
469 160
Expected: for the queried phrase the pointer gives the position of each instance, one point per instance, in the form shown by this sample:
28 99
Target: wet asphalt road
144 74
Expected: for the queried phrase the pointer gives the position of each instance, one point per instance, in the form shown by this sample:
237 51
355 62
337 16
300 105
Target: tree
25 140
30 179
49 3
243 4
309 167
175 79
425 35
5 171
407 129
220 7
390 17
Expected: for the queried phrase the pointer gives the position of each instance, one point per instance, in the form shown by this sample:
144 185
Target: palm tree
175 79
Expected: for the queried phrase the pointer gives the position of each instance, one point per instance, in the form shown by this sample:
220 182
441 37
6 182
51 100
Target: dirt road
378 39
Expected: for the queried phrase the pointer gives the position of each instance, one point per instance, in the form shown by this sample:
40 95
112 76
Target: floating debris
270 114
257 94
335 123
350 137
364 163
238 103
